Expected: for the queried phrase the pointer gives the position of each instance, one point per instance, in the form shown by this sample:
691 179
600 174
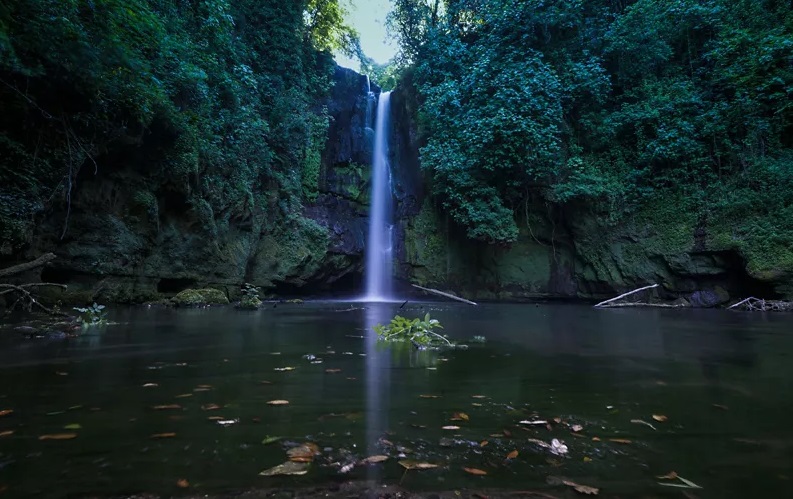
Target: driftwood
22 267
639 304
441 293
604 303
759 305
26 299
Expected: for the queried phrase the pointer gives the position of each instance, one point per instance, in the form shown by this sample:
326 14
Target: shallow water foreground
175 402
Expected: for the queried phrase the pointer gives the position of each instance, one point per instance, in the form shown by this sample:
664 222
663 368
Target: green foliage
418 331
199 297
250 297
93 315
611 108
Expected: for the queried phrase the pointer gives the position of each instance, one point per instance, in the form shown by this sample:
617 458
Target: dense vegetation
214 101
616 108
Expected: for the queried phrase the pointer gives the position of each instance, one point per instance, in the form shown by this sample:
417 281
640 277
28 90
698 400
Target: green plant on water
93 315
478 339
417 331
250 297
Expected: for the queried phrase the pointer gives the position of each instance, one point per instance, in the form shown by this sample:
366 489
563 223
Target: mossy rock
249 302
197 297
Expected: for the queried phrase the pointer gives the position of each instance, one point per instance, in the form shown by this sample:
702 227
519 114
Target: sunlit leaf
582 489
659 417
73 426
163 435
558 448
287 468
375 459
416 465
58 436
475 471
513 454
278 402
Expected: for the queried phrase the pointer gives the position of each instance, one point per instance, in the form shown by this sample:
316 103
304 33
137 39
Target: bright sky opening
368 17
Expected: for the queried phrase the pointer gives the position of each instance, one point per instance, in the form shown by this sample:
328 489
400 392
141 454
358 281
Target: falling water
379 247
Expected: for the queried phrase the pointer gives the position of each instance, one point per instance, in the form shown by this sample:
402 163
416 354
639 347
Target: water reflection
377 381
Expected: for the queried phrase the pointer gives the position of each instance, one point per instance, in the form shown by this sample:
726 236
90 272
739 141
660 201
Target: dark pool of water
722 379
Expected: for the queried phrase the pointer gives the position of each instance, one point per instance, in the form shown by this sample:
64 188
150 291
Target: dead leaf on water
184 395
58 436
576 428
483 443
479 396
210 407
620 441
6 433
538 422
150 385
416 465
289 368
215 418
582 489
182 484
587 459
475 471
450 428
429 396
166 407
460 416
557 420
476 404
163 435
375 459
332 371
558 448
6 412
73 426
596 439
303 453
669 476
645 423
539 442
659 417
278 402
513 454
287 468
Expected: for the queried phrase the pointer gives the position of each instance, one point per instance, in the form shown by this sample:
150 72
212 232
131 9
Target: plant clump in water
199 297
93 315
250 297
419 332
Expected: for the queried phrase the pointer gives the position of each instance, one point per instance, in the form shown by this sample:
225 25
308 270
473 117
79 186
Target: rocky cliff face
131 238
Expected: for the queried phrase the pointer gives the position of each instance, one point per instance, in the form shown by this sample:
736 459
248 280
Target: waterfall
379 245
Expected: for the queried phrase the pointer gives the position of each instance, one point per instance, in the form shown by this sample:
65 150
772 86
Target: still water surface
723 380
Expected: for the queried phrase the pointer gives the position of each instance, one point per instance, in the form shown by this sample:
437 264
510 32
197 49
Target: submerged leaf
287 468
669 476
475 471
6 433
166 407
460 416
429 396
270 440
163 435
450 428
659 417
513 454
73 426
210 407
582 489
375 459
278 402
182 483
303 453
58 436
416 465
620 440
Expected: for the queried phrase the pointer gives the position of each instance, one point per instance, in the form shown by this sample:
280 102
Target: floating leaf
620 440
596 439
166 407
150 385
479 396
201 389
476 404
558 448
460 416
265 382
278 402
557 420
184 395
450 428
6 433
287 468
6 412
228 422
210 407
206 387
416 465
687 484
534 423
513 454
375 459
182 483
539 442
73 426
587 459
284 369
429 396
163 435
582 489
483 443
475 471
645 423
577 427
332 371
669 476
58 436
659 417
303 453
270 440
215 418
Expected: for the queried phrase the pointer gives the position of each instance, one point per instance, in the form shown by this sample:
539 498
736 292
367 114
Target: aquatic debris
215 418
460 416
303 453
278 402
163 435
576 428
182 483
620 440
558 448
475 471
645 423
150 385
332 371
429 396
478 396
6 433
534 423
289 368
451 427
184 395
483 443
6 412
210 407
166 407
58 436
687 484
660 418
581 489
409 464
669 476
227 422
374 459
513 454
73 426
270 440
287 468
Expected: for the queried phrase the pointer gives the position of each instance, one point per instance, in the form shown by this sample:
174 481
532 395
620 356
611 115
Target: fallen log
625 294
22 267
741 302
441 293
658 305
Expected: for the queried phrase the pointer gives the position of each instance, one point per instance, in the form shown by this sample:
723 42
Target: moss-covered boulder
249 302
198 297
